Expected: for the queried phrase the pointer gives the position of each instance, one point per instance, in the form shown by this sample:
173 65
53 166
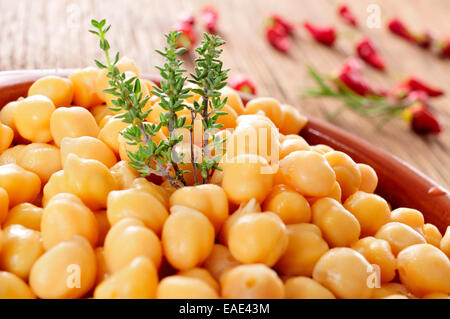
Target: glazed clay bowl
399 183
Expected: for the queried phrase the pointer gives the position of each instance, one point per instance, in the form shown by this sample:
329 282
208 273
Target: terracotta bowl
399 183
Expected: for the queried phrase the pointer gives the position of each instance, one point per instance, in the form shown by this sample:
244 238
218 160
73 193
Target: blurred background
54 34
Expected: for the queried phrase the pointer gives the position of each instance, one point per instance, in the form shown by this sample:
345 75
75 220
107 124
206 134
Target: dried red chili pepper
275 18
241 83
367 52
425 39
399 28
324 35
421 119
350 76
187 38
413 84
444 51
278 37
347 15
209 17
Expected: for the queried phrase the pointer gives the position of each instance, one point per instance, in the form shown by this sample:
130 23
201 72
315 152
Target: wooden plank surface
53 34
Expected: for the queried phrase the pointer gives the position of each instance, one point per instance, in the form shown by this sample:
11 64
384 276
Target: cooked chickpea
378 252
20 184
432 235
293 122
399 236
4 205
445 242
6 137
101 112
258 238
208 199
128 239
339 227
89 179
269 106
305 247
220 261
25 214
12 287
187 238
21 248
424 269
87 147
245 177
369 178
344 272
322 149
228 120
11 155
371 210
347 173
65 271
203 275
182 287
308 172
291 145
233 99
32 118
138 204
389 289
137 280
6 115
66 216
109 134
256 281
55 185
124 174
42 159
410 217
56 88
84 90
306 288
289 205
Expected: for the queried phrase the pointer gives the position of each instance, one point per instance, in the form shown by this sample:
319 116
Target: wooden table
53 34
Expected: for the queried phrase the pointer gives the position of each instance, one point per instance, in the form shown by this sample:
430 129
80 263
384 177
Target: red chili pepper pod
445 49
399 28
422 120
347 15
275 18
277 37
421 96
209 17
187 38
425 39
324 35
350 76
414 84
367 52
241 83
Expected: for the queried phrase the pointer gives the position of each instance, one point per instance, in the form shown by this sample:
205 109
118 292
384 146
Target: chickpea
102 267
137 280
101 112
228 120
233 99
424 269
53 275
308 172
58 89
64 217
89 179
436 295
129 239
339 227
378 252
347 173
399 236
305 248
289 205
12 287
256 281
87 147
247 176
371 210
291 145
21 248
6 116
258 238
72 121
432 235
25 214
410 217
344 272
187 238
322 149
369 178
11 155
4 205
20 184
306 288
6 137
124 147
269 106
208 199
138 204
203 275
84 90
42 159
158 191
109 134
32 118
182 287
55 185
220 261
389 289
293 122
445 242
124 174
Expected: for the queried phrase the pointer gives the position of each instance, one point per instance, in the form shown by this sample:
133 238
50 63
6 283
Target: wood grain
53 34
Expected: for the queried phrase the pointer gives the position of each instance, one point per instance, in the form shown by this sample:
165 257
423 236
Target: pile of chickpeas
78 222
